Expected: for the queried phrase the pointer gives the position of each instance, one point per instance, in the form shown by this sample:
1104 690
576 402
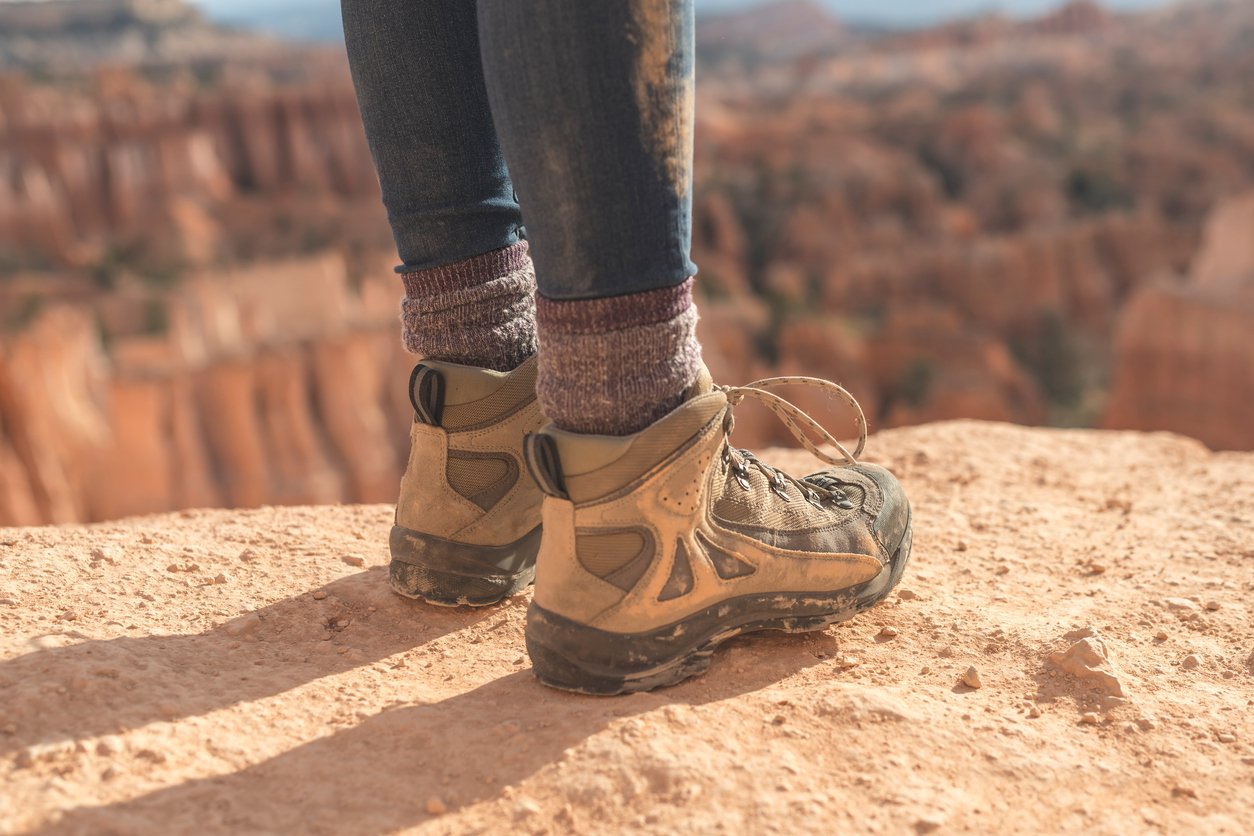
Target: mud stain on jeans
664 88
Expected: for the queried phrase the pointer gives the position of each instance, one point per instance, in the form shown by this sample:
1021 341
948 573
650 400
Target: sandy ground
249 671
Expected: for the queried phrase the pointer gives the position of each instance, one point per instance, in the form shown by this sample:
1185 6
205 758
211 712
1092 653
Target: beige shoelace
801 425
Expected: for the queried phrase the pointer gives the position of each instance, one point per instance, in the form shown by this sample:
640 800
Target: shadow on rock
377 776
110 686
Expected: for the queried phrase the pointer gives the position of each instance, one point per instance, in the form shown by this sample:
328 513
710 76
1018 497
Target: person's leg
660 539
467 520
594 105
468 277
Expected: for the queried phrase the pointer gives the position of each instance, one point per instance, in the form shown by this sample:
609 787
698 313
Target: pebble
926 824
1090 718
1183 604
848 661
219 578
319 595
962 545
1226 737
971 678
888 632
1191 661
1161 636
436 806
1089 661
1034 712
353 560
1212 606
907 594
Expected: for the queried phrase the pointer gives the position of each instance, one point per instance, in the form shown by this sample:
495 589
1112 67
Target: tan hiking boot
468 519
657 547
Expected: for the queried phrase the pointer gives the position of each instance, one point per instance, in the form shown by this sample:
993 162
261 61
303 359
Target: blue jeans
589 103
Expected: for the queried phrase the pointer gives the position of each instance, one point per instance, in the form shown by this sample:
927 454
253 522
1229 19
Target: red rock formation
1185 353
274 384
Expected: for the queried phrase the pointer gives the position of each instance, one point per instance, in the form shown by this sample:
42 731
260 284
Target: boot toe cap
892 522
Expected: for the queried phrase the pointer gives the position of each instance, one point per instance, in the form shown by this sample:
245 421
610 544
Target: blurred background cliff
1043 215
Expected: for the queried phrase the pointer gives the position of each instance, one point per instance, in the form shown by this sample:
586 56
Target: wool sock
614 366
478 312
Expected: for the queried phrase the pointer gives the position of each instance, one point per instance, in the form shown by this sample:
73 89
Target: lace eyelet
813 499
779 487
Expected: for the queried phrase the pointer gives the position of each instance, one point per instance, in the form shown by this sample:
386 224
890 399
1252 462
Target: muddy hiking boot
468 518
660 546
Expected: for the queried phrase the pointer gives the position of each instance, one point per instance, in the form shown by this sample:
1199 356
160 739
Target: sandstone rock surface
230 671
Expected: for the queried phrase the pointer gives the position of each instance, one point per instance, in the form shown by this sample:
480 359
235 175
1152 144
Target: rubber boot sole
450 574
574 657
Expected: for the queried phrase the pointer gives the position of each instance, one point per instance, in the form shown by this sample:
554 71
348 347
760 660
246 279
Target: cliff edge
1071 650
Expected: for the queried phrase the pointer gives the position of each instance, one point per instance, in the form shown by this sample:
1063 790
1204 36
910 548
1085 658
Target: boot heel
451 574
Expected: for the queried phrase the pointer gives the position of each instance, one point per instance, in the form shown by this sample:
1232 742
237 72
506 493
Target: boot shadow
112 685
376 777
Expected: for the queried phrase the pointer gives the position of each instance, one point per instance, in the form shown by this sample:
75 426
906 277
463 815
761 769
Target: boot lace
805 429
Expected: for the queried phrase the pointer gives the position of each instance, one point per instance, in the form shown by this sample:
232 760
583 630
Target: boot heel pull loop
544 464
426 395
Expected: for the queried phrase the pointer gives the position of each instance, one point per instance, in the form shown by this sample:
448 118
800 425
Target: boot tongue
703 385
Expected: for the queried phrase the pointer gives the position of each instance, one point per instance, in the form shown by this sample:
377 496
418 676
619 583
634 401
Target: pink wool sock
478 312
613 366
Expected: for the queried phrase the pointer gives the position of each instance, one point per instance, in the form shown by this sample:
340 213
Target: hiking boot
660 546
468 519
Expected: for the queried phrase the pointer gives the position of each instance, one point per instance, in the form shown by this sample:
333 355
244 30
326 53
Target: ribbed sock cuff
478 312
614 366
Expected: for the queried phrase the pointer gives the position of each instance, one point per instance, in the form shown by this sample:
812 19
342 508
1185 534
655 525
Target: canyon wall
279 383
1185 351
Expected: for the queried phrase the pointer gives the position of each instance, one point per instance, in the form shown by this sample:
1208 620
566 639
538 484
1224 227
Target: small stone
353 560
319 595
1088 660
778 720
907 594
888 632
1090 718
1002 570
1212 606
926 824
527 807
1096 569
219 578
1183 792
68 615
242 625
1181 605
971 678
1034 712
962 545
1226 737
846 661
173 567
1191 662
436 806
1161 636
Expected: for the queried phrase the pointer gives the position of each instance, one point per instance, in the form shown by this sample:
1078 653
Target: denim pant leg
420 87
593 102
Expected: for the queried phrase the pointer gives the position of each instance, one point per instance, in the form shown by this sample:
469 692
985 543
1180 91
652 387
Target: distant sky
320 19
869 11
